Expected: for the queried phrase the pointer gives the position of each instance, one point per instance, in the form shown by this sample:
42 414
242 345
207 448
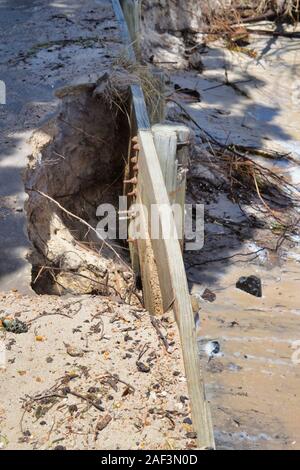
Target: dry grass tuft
125 73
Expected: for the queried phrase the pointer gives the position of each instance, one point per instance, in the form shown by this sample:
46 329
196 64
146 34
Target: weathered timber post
172 145
156 109
132 13
165 253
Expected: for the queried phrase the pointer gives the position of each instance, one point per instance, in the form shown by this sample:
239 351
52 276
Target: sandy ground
134 389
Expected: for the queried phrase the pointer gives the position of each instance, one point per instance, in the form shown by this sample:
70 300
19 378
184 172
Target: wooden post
173 285
167 257
157 108
172 146
132 13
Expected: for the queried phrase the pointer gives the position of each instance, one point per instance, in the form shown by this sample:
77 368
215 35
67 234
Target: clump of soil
77 160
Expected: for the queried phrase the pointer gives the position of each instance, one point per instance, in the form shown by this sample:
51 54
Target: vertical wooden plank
157 108
171 143
174 288
183 144
167 257
132 13
165 141
138 102
124 32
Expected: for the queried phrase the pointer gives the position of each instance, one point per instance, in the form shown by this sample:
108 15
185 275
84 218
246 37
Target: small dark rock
73 409
191 435
49 360
127 356
15 326
43 423
59 448
99 403
93 390
183 399
176 373
208 295
142 367
251 285
188 421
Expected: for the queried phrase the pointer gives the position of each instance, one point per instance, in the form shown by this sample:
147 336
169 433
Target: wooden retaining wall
160 260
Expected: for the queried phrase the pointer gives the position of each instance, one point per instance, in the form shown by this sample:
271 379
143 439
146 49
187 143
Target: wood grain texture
173 285
132 13
148 267
172 146
156 108
151 190
124 32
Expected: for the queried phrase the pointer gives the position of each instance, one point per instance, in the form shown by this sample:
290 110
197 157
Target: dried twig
237 158
155 323
225 258
261 198
269 15
87 399
143 351
283 34
45 314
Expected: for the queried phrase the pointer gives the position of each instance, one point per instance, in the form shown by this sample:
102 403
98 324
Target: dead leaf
102 423
128 390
